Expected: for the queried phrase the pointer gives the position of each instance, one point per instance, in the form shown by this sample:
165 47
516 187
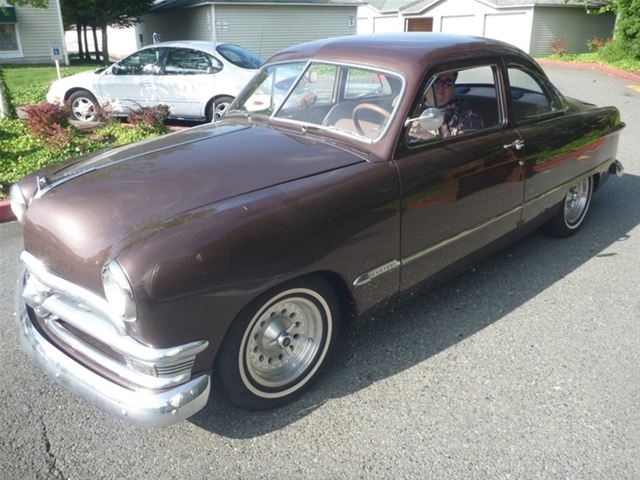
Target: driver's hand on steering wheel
307 99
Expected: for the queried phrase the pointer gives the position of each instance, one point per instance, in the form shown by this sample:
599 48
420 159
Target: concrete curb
631 76
6 215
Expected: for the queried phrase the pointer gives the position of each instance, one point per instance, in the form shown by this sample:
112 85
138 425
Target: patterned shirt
458 118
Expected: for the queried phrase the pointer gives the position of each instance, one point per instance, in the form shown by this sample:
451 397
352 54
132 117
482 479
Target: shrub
595 44
613 51
150 118
50 122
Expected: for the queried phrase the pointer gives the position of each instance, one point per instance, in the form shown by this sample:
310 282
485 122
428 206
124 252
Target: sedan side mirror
429 120
115 69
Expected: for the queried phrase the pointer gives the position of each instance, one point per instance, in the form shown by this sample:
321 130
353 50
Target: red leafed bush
49 122
149 117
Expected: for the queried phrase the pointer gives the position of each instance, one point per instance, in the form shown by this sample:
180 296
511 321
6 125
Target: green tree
6 105
100 14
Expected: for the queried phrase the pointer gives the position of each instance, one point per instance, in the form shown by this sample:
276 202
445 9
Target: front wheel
83 106
573 210
217 108
277 346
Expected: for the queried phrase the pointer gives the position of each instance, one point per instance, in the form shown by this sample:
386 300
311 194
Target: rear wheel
277 346
83 106
573 210
217 107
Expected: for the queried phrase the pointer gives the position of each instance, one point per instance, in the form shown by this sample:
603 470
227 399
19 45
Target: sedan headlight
18 202
118 291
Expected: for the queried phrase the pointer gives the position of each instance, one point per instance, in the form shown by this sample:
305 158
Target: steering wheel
372 107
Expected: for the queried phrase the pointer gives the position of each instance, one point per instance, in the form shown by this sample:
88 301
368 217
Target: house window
8 30
8 38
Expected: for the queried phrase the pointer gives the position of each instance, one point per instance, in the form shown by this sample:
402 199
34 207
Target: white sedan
196 79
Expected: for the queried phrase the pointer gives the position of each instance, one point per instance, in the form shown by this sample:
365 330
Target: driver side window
455 102
144 62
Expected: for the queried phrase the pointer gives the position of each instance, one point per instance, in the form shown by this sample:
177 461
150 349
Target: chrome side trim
371 274
465 233
140 407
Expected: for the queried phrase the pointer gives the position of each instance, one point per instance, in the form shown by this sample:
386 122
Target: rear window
239 56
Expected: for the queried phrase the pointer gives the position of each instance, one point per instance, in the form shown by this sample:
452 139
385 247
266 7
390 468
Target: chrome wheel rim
83 109
576 202
285 343
220 109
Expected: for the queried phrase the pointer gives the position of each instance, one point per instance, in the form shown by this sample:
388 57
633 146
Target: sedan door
188 82
130 83
460 193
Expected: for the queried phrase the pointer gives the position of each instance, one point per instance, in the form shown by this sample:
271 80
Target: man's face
444 86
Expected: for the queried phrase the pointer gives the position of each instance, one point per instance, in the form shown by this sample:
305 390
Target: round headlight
118 291
18 202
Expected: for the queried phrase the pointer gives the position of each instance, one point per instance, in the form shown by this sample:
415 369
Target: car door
556 145
188 82
131 83
459 192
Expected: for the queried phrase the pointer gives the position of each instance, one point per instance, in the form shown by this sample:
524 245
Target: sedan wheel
277 347
574 209
83 106
218 107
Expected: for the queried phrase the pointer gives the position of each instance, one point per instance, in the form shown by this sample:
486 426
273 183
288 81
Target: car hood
91 207
79 79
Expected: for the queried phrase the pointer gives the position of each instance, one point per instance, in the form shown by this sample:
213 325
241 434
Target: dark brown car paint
214 216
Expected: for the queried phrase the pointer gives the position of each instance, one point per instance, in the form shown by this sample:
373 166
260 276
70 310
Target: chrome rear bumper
147 408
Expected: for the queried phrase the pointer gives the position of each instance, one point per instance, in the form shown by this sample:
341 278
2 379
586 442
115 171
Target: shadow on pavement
448 313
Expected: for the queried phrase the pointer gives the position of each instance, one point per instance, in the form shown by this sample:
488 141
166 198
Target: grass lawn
625 64
29 84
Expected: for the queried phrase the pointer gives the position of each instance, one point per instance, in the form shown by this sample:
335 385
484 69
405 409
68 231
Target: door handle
517 144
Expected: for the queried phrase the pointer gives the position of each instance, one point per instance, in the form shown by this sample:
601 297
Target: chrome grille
81 320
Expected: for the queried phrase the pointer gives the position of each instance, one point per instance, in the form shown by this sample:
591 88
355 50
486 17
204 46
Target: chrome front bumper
141 407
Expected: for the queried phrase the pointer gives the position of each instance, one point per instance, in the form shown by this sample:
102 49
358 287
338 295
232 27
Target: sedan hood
92 206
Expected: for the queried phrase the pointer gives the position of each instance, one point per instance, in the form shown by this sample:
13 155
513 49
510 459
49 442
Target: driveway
526 366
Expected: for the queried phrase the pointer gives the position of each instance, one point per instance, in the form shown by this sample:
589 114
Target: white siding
36 28
512 28
371 21
462 24
269 28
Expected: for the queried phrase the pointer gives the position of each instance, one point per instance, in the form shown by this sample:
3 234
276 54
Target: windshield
239 56
357 101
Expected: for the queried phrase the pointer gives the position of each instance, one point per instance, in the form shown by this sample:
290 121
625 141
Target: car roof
197 44
406 53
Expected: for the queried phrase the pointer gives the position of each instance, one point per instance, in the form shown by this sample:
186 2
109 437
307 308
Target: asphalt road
527 366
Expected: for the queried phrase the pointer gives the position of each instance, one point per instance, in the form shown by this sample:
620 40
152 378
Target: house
30 35
539 27
260 26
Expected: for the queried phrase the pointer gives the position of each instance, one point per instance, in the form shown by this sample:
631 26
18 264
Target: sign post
57 53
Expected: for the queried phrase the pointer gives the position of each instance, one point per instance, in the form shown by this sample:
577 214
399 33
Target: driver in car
458 116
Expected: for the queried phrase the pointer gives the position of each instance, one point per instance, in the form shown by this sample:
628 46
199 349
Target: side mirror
115 69
429 120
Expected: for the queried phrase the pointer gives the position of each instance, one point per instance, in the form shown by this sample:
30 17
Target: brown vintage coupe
339 180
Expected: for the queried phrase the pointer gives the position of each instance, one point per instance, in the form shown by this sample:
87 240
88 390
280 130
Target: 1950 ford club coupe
347 172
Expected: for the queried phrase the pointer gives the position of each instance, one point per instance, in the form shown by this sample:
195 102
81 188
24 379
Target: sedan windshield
354 100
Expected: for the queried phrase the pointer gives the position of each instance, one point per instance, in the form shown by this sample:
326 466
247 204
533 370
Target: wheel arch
73 90
346 300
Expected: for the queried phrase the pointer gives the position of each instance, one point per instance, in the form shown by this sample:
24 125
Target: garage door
464 24
512 28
